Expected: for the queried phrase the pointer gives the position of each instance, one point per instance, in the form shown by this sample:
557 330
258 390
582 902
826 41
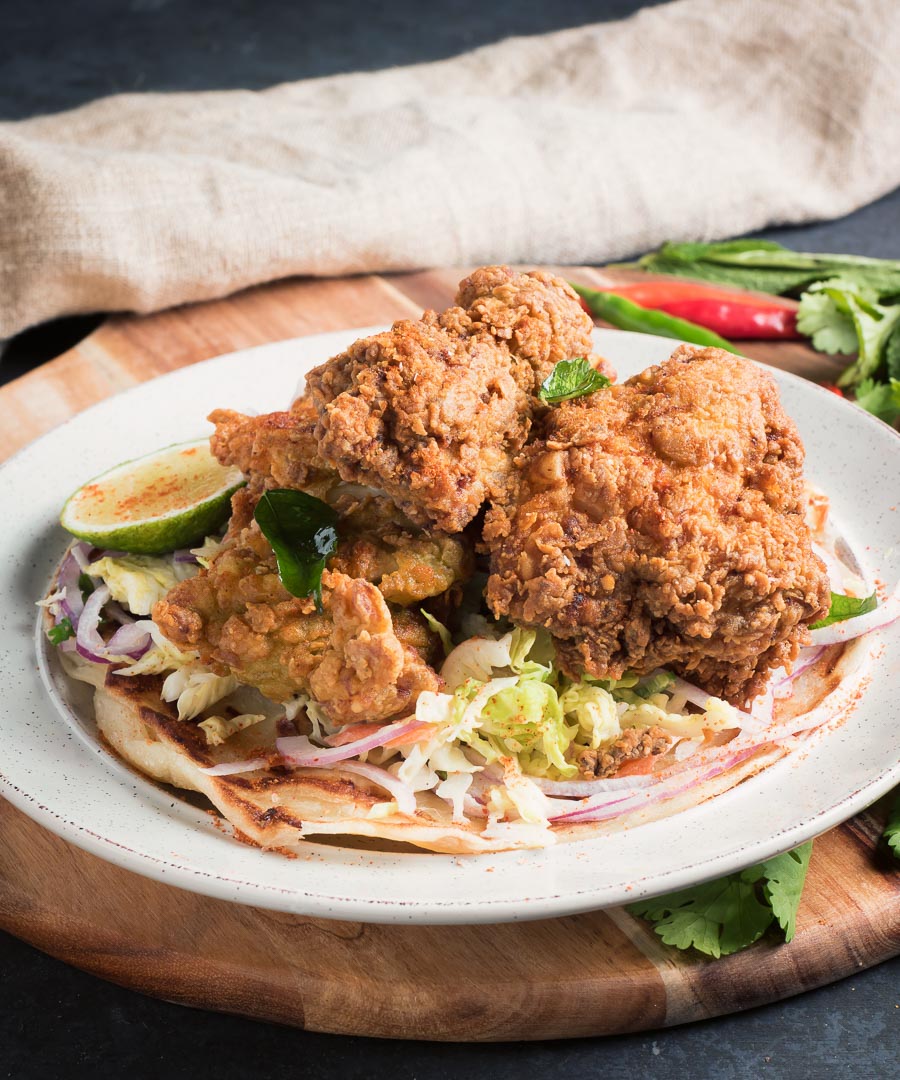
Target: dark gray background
55 1021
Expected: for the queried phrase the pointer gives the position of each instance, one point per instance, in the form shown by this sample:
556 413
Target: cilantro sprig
846 607
721 917
571 379
63 630
303 533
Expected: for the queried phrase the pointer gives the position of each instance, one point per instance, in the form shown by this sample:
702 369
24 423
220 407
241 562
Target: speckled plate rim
53 768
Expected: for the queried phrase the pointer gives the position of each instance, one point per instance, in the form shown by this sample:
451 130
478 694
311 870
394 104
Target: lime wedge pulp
169 499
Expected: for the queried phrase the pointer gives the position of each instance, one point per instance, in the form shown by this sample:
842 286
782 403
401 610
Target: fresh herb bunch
848 304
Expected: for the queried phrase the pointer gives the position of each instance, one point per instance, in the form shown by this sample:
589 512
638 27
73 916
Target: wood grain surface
592 974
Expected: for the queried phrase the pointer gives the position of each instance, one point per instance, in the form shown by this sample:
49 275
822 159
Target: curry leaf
303 533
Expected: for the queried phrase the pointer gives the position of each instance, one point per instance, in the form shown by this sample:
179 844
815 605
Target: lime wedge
169 499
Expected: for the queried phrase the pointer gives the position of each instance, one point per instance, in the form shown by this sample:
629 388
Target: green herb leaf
86 585
63 630
832 330
880 399
724 916
784 877
846 607
716 919
303 533
571 379
891 832
438 627
892 353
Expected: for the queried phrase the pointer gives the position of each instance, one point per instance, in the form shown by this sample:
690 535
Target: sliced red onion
69 573
298 750
804 662
87 638
580 789
838 632
402 793
668 789
184 555
81 554
230 768
132 640
117 613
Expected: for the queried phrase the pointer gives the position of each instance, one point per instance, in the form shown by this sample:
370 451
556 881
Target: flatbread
278 807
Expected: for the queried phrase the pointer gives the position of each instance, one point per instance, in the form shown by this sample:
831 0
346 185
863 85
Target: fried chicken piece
366 672
430 417
537 315
433 411
242 620
276 450
632 745
660 523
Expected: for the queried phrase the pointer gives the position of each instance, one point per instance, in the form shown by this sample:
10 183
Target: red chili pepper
834 389
729 313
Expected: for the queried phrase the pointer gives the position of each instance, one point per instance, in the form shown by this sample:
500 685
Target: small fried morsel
632 745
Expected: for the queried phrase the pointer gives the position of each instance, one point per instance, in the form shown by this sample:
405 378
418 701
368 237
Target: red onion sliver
581 789
403 794
663 790
838 632
298 750
132 640
87 638
230 768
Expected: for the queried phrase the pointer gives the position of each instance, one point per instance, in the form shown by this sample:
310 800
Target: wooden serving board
592 974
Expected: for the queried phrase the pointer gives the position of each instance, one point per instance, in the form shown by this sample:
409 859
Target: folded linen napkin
694 120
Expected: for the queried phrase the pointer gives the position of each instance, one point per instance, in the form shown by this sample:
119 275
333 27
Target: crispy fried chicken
365 656
661 523
433 411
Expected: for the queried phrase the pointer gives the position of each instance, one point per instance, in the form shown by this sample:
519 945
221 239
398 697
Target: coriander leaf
86 585
303 533
891 832
832 331
784 877
717 918
63 630
571 379
880 399
846 607
892 353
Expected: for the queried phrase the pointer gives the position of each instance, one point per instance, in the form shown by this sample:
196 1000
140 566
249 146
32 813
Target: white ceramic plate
53 768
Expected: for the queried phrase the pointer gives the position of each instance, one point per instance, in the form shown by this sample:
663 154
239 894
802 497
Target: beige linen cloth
700 119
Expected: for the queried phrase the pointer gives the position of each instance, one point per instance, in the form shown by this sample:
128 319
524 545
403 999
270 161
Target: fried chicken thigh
660 523
365 656
433 411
